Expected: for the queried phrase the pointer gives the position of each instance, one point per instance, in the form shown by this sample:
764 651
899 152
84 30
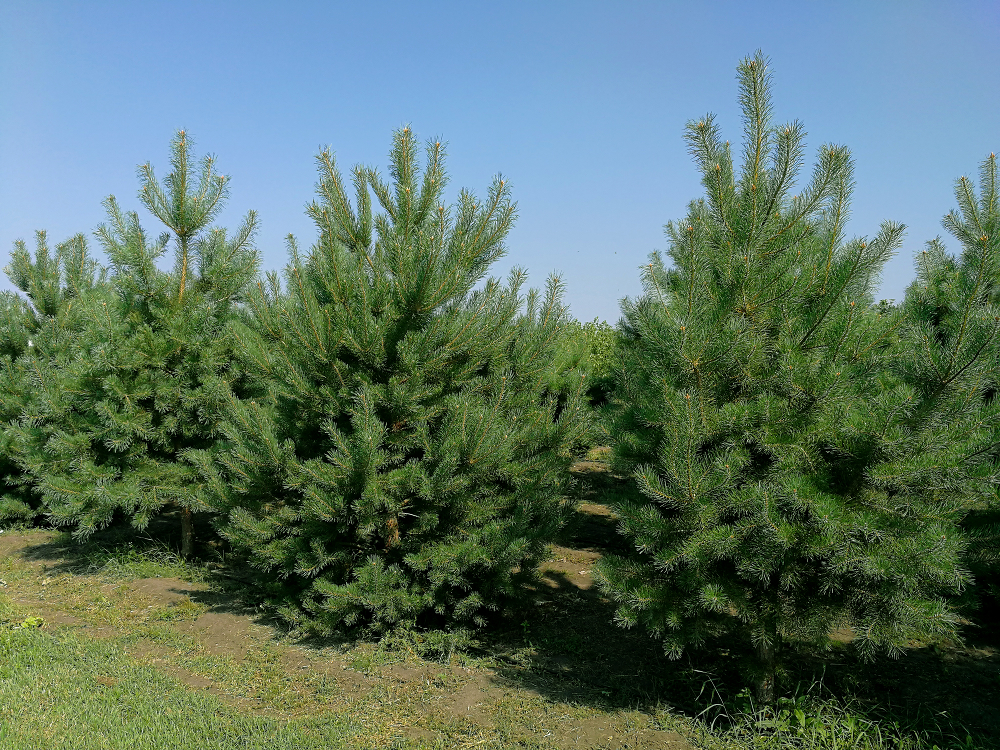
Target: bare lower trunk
187 533
766 652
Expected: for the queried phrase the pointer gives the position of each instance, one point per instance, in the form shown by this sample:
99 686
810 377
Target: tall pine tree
791 478
153 367
410 465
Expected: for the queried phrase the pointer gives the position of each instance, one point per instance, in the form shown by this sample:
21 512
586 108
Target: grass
157 560
807 720
58 691
122 644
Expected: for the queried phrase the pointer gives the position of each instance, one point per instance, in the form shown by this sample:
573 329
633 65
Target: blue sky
581 105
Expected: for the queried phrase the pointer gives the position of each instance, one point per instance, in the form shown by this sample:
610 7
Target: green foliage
798 469
149 369
410 463
388 437
584 357
15 335
52 282
603 341
35 330
955 306
594 345
30 623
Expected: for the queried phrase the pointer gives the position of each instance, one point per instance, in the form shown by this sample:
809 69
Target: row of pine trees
386 433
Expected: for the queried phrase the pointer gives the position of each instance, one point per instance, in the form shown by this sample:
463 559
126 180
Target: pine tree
153 366
410 465
602 345
35 329
954 304
575 364
790 478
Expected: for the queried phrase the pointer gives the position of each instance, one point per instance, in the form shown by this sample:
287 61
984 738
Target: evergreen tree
792 478
36 329
602 346
576 362
587 352
153 366
410 464
954 304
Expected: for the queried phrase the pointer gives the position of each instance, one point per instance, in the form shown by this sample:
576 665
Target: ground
559 674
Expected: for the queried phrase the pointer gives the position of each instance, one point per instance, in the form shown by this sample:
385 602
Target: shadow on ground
565 646
948 691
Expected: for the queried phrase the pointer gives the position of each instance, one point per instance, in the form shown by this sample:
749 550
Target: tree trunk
184 267
767 653
187 533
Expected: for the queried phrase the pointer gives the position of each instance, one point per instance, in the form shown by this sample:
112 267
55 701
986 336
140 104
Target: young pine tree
574 364
35 330
602 345
787 482
954 306
153 366
410 465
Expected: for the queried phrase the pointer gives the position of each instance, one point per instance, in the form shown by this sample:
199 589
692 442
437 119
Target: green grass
122 555
60 692
808 722
148 682
129 564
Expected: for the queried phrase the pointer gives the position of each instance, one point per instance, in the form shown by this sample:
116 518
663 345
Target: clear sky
580 105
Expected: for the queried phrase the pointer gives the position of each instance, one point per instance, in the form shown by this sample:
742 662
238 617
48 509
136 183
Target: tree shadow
222 585
562 642
566 646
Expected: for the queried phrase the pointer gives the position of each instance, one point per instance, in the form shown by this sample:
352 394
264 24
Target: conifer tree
954 304
410 465
791 479
153 368
602 346
36 329
575 363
